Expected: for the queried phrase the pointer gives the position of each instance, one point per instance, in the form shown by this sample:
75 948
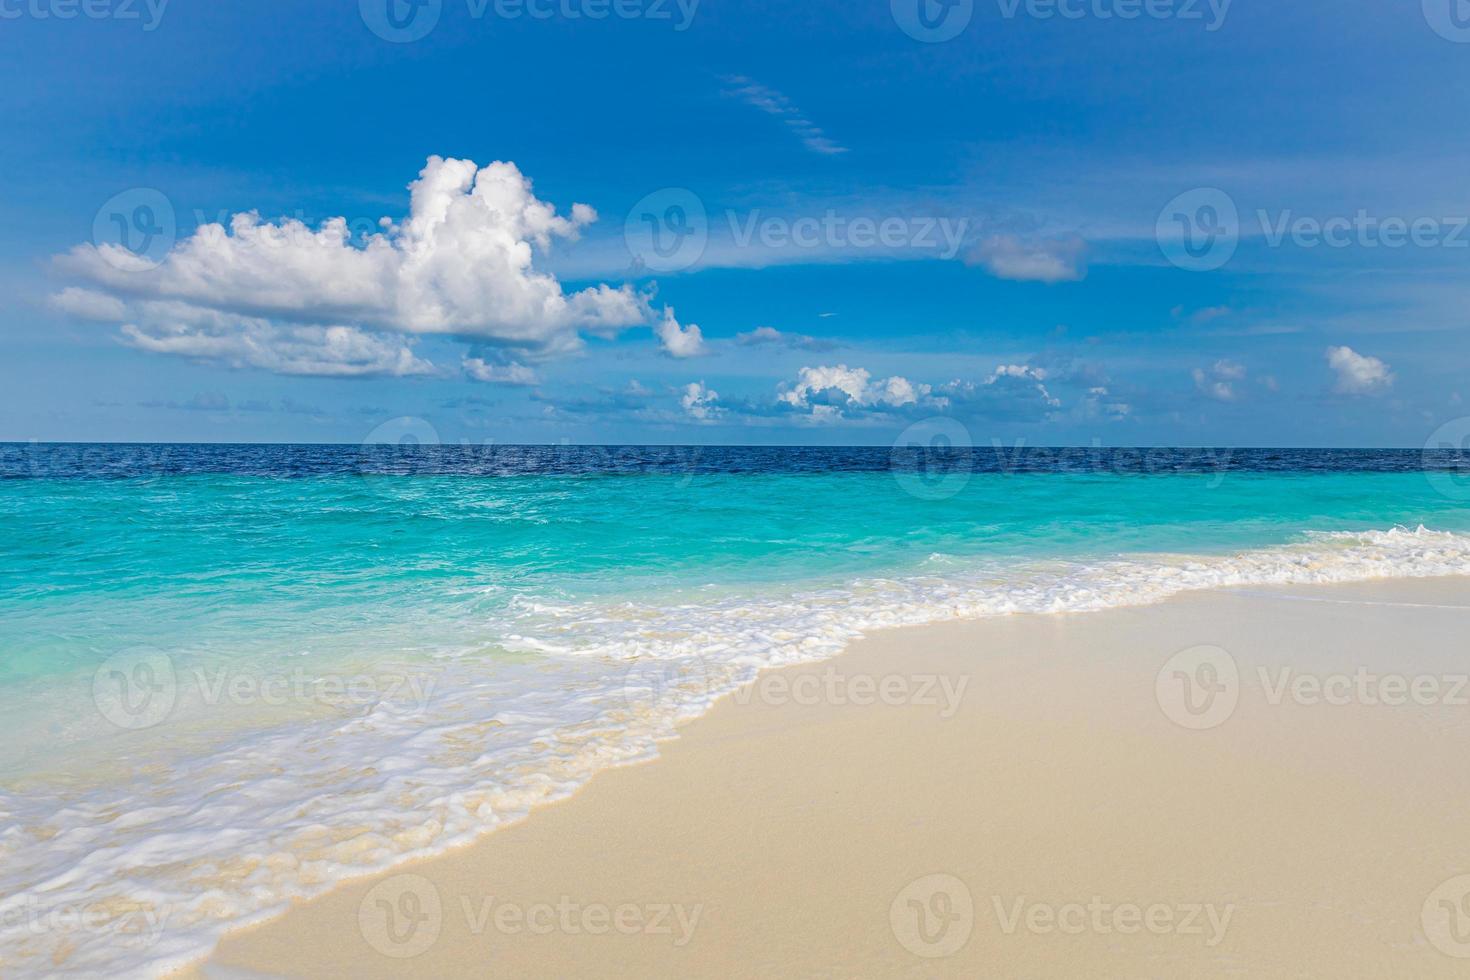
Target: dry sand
1062 822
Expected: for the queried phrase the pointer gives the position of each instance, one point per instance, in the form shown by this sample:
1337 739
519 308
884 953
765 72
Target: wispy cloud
500 371
1218 382
762 336
1202 315
773 103
1035 260
213 401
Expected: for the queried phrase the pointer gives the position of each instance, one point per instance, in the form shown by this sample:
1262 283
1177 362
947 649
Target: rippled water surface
236 674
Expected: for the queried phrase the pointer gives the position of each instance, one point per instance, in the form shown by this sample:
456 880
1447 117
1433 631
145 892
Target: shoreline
388 792
803 746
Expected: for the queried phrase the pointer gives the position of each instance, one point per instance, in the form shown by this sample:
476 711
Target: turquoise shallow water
248 648
86 565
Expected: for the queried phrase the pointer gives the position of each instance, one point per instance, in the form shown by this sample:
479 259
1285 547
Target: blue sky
817 223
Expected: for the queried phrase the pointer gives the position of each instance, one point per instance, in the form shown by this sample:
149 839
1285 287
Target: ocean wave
139 871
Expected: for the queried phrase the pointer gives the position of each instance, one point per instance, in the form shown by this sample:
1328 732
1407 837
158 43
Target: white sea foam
135 871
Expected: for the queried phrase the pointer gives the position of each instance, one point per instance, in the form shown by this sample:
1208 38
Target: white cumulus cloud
699 401
679 341
1009 392
1013 392
1358 374
830 389
463 263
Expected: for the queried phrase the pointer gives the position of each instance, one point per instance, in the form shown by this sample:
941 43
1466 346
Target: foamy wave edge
633 673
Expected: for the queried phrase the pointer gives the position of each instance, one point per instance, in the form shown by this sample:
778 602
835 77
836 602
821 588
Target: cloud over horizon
283 296
1218 382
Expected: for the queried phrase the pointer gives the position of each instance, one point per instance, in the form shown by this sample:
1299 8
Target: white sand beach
1256 783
